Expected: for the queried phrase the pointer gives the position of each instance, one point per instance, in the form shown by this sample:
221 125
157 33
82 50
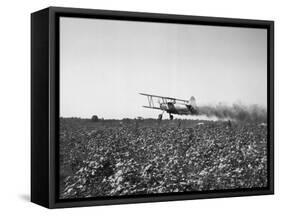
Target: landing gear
160 116
171 116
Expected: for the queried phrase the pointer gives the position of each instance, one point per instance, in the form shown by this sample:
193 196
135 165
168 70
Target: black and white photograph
161 108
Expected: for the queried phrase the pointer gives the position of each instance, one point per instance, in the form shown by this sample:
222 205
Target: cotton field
130 157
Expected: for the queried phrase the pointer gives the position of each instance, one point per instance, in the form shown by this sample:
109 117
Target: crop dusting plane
171 105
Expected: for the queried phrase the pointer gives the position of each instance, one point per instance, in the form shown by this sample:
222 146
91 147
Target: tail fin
192 101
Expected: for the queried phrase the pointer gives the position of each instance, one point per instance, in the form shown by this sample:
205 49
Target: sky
104 64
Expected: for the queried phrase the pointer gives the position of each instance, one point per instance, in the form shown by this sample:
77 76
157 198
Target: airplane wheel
171 117
160 117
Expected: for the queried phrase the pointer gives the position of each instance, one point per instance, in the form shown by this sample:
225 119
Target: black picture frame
45 104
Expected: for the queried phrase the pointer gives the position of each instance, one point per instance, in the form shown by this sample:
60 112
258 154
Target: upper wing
152 107
164 99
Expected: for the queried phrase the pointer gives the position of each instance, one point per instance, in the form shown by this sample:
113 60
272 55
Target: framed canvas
139 107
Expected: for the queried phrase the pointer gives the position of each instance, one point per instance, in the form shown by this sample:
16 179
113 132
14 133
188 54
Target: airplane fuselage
177 108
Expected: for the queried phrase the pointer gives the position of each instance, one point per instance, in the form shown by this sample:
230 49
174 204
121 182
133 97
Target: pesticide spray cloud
236 112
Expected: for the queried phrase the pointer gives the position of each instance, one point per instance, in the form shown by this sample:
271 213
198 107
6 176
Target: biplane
171 105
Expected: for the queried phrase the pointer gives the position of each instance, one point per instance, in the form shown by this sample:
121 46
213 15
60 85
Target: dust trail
236 112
